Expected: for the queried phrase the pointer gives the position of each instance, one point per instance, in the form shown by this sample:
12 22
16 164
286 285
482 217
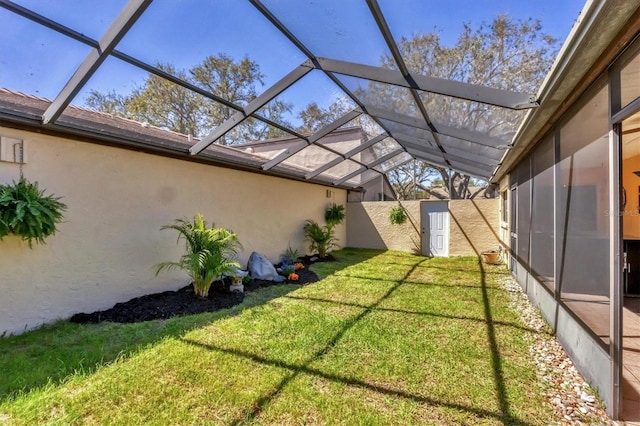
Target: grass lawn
385 338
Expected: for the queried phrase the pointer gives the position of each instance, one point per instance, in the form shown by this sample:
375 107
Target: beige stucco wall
106 249
369 226
474 226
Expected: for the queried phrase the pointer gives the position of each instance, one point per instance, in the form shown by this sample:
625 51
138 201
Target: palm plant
210 253
320 237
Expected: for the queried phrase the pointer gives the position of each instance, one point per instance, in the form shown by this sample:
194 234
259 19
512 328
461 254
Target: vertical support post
615 247
557 221
615 273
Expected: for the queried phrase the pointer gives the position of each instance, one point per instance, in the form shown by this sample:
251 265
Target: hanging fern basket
397 215
334 215
26 212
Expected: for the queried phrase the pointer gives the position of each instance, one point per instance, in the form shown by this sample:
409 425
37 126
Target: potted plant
209 253
26 212
492 257
397 215
334 215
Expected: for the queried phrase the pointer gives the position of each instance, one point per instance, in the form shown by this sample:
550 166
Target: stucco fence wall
118 200
473 226
368 226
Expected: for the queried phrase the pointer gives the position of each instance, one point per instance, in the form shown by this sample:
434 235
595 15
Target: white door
435 228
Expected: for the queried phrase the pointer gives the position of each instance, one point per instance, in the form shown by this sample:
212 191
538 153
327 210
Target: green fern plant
209 253
321 237
334 215
25 211
397 215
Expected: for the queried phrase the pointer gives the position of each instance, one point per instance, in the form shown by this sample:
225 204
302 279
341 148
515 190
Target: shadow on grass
417 313
294 370
498 269
496 360
109 342
345 258
53 353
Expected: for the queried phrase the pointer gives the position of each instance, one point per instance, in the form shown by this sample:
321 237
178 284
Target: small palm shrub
321 238
25 211
334 215
209 253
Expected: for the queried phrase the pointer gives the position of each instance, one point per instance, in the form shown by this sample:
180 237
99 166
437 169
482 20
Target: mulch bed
184 302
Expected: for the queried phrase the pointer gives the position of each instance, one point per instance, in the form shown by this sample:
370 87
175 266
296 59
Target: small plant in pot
492 257
26 212
209 253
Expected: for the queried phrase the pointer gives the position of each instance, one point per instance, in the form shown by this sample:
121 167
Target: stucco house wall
118 200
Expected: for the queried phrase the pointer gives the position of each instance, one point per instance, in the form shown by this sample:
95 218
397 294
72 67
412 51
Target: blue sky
183 32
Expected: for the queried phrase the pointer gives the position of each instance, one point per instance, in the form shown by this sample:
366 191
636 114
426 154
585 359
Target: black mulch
184 302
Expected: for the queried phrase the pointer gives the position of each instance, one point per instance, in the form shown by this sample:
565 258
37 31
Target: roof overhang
148 140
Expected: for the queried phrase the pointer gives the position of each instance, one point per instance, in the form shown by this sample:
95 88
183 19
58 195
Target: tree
314 117
407 181
506 54
167 105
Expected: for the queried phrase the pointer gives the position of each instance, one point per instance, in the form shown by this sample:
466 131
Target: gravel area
562 386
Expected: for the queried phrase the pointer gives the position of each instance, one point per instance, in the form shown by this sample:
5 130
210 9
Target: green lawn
385 338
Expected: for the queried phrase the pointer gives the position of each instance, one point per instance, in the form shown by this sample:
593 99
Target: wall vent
13 150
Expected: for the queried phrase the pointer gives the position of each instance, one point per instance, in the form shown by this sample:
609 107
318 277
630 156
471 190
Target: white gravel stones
562 386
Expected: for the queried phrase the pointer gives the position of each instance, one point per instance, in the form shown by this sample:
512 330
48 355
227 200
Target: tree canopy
504 54
170 106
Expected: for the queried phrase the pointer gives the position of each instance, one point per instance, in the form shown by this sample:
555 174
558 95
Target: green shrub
290 255
25 211
210 253
397 215
287 270
320 237
334 215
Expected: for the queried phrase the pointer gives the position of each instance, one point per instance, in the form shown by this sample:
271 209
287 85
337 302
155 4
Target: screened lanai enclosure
261 113
346 49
